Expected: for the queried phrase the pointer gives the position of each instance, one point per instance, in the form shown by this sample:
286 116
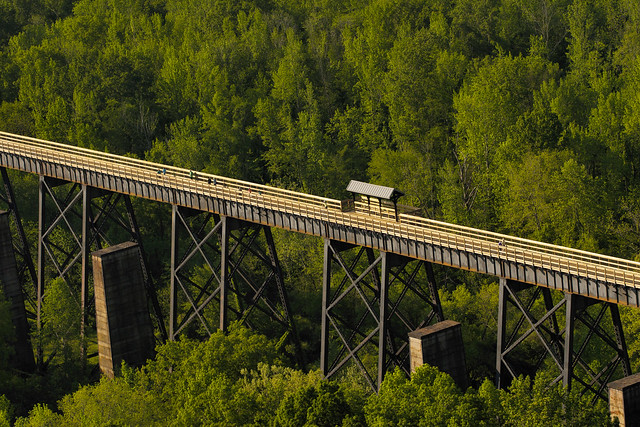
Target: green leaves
322 404
61 320
112 402
428 398
558 205
535 403
222 382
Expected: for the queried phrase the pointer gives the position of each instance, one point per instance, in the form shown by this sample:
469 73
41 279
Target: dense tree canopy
195 384
516 116
445 100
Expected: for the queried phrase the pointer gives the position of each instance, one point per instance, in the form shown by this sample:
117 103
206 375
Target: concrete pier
124 327
624 400
23 357
440 345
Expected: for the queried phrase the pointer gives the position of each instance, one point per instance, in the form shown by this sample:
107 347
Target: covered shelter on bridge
364 189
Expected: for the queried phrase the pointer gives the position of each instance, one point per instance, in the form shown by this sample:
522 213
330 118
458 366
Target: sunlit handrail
370 217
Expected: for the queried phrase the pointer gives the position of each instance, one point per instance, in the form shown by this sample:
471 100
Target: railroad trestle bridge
366 253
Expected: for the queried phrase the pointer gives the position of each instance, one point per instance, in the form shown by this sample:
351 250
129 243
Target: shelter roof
373 190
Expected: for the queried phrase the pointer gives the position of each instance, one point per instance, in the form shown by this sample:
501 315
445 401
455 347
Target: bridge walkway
592 275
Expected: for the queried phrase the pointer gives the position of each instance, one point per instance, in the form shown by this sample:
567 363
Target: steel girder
224 269
73 219
536 327
378 299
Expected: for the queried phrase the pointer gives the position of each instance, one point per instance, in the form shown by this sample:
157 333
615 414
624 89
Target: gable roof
373 190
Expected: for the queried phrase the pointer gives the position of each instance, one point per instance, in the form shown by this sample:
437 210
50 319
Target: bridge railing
540 254
568 260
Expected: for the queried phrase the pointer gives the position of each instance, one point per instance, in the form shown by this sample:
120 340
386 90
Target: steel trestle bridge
584 278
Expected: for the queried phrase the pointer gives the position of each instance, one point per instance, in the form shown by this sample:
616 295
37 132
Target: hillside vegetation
517 116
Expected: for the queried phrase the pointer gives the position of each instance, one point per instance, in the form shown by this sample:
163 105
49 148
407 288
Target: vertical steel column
224 273
84 283
567 368
284 300
375 275
173 300
548 303
41 264
146 273
11 285
500 342
382 321
622 344
433 289
326 296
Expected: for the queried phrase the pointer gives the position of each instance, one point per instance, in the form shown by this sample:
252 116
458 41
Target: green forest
516 116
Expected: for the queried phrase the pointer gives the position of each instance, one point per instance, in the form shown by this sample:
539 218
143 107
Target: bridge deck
588 274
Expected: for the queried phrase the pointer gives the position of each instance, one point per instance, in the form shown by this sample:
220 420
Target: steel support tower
370 303
73 219
223 270
566 331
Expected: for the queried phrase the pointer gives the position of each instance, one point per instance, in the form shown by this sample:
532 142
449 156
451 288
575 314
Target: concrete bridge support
124 327
567 330
241 279
440 345
12 290
18 271
27 274
369 305
624 401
